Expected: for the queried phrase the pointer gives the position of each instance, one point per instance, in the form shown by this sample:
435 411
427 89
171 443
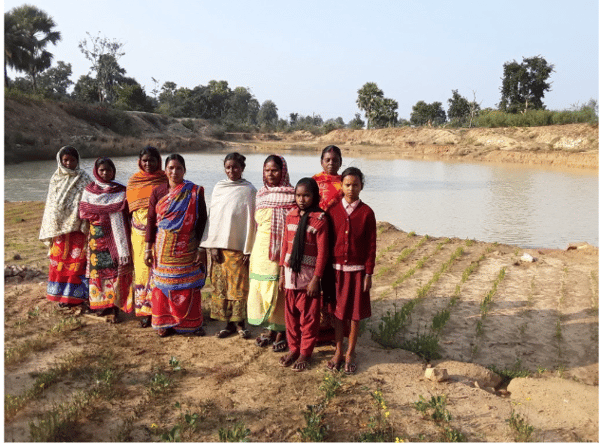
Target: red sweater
353 238
315 241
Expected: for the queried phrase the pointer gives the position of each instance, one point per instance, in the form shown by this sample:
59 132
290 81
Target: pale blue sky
313 56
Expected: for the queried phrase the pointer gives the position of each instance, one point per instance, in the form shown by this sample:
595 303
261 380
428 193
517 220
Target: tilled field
462 305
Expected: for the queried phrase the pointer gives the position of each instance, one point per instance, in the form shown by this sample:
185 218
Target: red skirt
66 280
351 302
180 310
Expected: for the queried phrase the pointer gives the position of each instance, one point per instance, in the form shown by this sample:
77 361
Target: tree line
28 31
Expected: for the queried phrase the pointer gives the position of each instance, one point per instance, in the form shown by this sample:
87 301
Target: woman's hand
281 279
148 259
367 283
246 259
200 257
313 290
216 256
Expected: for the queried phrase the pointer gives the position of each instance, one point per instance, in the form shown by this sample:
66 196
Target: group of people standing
296 261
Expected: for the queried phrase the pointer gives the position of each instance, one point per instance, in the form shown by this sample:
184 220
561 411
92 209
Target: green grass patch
522 430
515 371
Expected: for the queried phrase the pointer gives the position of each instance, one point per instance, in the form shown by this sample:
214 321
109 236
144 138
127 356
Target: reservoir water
524 206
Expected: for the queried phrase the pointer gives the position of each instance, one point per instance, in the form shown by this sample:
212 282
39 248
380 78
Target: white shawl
231 224
61 213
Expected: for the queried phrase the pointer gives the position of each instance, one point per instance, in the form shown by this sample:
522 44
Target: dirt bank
36 130
565 146
76 377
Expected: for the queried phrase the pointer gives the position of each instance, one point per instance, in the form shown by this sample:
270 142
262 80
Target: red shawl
330 189
104 203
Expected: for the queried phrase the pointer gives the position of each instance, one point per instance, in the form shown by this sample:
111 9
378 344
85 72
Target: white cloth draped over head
61 213
231 224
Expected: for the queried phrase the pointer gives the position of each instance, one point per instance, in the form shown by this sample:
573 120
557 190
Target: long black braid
298 246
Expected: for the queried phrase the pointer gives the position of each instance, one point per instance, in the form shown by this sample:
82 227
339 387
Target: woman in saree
176 221
139 189
266 304
64 232
230 236
110 267
330 190
329 181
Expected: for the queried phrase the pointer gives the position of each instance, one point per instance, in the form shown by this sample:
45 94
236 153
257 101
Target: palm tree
30 31
368 96
16 46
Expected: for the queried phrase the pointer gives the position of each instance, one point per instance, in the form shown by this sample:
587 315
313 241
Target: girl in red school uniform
353 238
303 258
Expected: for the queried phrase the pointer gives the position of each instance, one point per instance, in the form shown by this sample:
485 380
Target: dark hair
71 151
150 150
176 157
353 171
106 161
237 157
331 148
313 187
298 245
276 159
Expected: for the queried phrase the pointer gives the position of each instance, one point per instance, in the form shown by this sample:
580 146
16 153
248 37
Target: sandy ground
541 317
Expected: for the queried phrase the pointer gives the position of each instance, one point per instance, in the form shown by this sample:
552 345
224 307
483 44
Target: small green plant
411 234
34 313
440 319
437 404
391 324
379 429
238 433
330 385
452 435
187 424
175 364
558 331
469 242
159 383
516 371
173 435
425 345
315 429
521 429
541 370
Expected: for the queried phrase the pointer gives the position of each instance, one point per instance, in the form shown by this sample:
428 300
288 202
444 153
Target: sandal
350 368
224 333
145 322
287 360
164 332
199 332
280 346
264 340
300 366
334 366
244 334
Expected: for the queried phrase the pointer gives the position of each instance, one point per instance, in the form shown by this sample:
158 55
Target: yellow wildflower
387 414
153 426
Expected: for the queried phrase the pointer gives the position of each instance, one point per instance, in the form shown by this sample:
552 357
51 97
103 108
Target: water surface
512 204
